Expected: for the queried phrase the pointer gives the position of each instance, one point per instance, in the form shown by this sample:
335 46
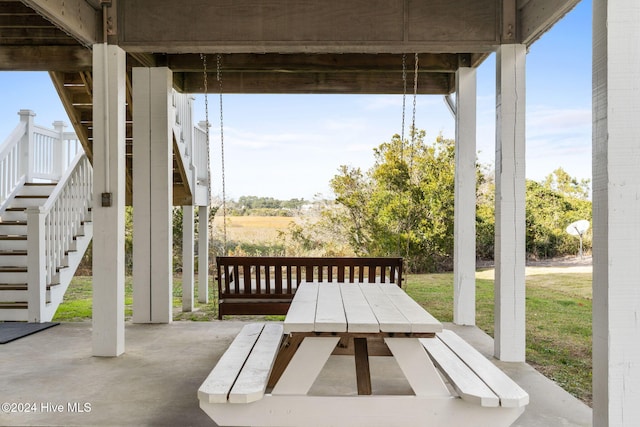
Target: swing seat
266 285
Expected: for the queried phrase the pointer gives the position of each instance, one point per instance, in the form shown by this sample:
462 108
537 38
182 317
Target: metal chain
413 120
203 57
415 96
224 193
404 98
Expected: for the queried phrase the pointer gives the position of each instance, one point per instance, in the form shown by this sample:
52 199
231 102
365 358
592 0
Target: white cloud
543 120
382 102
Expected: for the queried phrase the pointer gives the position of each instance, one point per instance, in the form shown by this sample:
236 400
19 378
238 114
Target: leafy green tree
560 181
403 205
485 214
549 212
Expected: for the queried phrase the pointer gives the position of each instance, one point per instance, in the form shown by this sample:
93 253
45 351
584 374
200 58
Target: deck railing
12 170
34 153
192 144
201 153
52 229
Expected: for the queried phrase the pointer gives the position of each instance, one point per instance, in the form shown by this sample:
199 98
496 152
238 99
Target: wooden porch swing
266 285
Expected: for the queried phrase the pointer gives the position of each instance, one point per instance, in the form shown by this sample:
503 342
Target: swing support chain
224 192
203 57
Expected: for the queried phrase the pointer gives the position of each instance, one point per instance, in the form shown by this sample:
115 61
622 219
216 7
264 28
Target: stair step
15 243
21 286
18 314
17 292
14 305
14 214
13 228
27 201
37 189
13 286
13 258
13 275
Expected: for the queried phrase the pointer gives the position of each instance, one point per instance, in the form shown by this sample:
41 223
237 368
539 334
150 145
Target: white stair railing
51 230
192 144
200 160
11 170
31 153
182 131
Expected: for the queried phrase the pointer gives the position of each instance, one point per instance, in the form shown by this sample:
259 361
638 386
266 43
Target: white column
203 254
152 196
616 213
187 258
510 204
108 199
59 149
26 164
36 268
464 227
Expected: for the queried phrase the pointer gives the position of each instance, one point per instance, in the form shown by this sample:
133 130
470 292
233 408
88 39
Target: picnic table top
357 308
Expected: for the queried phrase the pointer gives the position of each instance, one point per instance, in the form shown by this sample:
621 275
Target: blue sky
287 146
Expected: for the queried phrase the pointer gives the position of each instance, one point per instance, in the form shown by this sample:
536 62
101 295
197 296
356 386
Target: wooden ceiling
283 46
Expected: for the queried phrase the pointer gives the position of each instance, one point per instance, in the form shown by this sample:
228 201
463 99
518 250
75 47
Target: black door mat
11 331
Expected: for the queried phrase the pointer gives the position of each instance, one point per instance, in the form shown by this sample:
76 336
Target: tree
560 181
402 206
548 213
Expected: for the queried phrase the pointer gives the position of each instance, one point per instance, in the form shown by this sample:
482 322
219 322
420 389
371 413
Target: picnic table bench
241 374
452 383
266 285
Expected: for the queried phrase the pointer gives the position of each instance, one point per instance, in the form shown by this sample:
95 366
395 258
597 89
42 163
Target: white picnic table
363 320
324 315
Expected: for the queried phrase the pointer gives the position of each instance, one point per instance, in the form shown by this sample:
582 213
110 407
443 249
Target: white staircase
13 251
46 187
45 219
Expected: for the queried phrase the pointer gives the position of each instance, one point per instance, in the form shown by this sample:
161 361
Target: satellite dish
578 228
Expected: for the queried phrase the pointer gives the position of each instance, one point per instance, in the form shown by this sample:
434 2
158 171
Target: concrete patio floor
53 375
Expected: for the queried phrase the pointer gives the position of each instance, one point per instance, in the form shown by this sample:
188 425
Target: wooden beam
314 63
142 60
537 16
296 26
509 22
75 17
39 36
58 79
45 58
327 83
14 8
18 21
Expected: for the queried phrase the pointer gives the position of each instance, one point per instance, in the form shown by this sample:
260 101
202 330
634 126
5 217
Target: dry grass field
254 228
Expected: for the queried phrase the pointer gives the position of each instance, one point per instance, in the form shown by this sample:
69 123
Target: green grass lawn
558 317
558 321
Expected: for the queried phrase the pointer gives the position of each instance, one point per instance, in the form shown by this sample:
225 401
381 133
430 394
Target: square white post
152 196
187 258
59 150
203 254
464 227
36 264
108 215
510 234
616 213
26 164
